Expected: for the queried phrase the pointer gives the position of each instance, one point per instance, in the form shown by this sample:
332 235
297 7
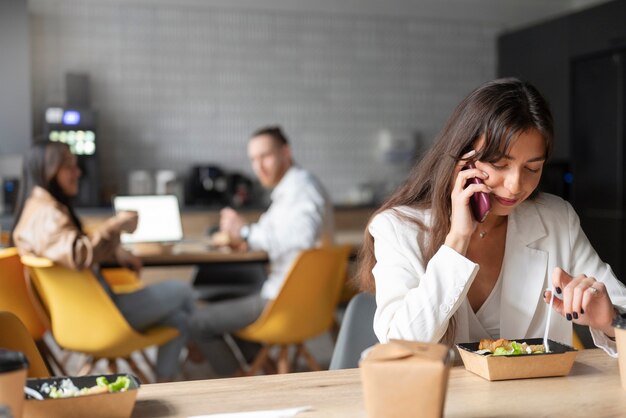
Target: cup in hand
13 369
620 338
128 220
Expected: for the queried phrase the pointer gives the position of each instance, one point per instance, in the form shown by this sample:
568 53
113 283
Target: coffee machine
207 185
212 186
76 127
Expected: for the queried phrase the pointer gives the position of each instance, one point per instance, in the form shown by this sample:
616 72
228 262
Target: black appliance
207 185
10 187
240 190
210 185
76 127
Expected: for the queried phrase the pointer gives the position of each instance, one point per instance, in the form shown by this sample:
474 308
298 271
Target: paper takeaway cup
13 369
620 338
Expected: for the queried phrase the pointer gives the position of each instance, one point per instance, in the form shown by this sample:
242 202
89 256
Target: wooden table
199 253
200 258
155 255
592 389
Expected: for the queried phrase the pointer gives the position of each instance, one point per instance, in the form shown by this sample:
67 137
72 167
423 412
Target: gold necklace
483 233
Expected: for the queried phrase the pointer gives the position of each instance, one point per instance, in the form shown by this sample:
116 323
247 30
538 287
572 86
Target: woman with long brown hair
440 275
46 225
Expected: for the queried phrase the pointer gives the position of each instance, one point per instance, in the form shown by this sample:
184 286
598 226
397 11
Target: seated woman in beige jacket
46 225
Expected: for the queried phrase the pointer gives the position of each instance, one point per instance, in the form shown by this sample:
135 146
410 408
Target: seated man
299 218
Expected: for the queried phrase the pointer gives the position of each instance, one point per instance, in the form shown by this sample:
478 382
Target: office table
199 254
218 273
591 389
155 255
202 258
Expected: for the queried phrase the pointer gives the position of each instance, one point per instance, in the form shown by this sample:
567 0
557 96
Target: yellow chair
304 308
577 342
15 298
122 280
84 318
14 336
5 238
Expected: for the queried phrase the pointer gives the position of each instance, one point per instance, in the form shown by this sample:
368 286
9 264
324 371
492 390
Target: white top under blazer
416 300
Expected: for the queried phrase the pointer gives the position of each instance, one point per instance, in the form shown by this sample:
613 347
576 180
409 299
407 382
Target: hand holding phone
479 202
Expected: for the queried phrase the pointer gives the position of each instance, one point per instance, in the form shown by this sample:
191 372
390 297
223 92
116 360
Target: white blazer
415 301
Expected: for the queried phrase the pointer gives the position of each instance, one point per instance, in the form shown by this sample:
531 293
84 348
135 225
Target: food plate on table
97 396
514 361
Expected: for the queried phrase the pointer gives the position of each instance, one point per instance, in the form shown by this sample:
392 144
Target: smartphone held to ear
479 202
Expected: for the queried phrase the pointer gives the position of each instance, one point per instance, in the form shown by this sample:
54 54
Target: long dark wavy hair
500 110
41 165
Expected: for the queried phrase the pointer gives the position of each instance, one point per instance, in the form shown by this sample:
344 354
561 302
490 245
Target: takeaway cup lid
12 360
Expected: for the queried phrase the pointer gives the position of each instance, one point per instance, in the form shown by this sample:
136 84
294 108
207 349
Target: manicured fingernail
575 315
569 317
582 311
486 175
558 290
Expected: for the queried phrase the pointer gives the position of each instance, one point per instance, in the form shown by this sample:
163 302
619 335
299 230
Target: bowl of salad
97 396
503 359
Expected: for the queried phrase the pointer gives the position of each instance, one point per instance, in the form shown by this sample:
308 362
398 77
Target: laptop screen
159 218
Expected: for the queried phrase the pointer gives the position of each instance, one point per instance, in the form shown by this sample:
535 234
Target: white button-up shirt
300 217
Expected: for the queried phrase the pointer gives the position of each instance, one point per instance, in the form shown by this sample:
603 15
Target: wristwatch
244 232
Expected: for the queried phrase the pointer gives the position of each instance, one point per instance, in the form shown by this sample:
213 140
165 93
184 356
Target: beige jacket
46 230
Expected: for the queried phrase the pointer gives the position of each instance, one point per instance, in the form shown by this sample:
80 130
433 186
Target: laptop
159 218
159 223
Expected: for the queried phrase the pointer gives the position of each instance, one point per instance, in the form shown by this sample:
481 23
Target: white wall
183 83
15 107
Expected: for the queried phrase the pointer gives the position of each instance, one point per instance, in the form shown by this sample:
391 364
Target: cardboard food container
102 405
405 379
557 362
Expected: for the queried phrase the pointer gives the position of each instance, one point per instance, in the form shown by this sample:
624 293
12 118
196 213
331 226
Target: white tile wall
177 85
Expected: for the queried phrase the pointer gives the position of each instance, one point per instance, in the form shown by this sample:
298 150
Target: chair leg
283 359
87 367
296 357
137 371
269 367
80 363
50 359
313 365
112 366
65 358
186 376
150 364
107 365
334 330
259 360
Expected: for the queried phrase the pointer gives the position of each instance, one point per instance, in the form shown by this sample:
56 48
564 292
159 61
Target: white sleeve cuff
452 254
600 339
